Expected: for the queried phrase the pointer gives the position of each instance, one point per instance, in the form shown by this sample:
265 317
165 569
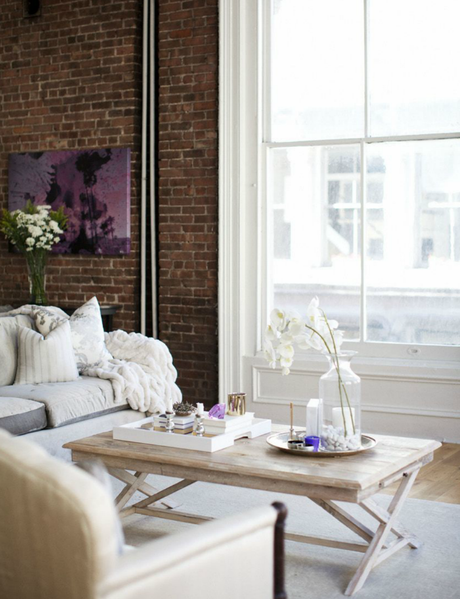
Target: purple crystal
217 411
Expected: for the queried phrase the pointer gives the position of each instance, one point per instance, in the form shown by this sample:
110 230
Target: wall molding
257 371
376 373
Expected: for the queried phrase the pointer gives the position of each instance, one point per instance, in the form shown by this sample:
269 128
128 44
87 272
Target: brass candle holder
236 404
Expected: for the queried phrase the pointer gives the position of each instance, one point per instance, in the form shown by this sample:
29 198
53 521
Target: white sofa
58 539
53 413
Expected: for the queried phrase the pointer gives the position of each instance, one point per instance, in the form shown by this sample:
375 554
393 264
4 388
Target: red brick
56 87
72 79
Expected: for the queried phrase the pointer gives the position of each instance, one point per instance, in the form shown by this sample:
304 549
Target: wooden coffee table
255 465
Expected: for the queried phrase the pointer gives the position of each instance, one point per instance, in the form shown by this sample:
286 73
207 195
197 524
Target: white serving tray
133 432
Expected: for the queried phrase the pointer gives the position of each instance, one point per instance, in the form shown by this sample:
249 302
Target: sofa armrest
231 558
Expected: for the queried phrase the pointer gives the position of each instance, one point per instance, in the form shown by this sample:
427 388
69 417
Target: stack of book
229 424
182 424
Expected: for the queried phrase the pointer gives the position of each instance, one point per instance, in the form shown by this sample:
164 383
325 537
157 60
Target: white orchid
270 333
278 319
287 329
286 350
314 314
270 353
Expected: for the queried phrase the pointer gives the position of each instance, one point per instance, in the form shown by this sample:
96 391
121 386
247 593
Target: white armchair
58 541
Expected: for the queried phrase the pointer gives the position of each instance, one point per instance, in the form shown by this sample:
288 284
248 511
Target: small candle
313 441
199 409
337 418
314 417
292 414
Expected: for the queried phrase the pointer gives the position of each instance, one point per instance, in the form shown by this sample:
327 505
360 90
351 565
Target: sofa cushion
20 416
87 331
9 345
69 402
88 335
47 359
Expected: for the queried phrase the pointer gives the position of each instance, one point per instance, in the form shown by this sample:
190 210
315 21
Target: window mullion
363 179
366 83
363 315
266 68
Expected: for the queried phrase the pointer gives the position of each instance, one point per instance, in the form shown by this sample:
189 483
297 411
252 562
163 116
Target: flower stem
36 264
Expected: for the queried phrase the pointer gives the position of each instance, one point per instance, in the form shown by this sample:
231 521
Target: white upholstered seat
58 541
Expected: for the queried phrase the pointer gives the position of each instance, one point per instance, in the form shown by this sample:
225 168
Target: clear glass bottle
340 390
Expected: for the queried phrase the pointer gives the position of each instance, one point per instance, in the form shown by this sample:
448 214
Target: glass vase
340 390
36 270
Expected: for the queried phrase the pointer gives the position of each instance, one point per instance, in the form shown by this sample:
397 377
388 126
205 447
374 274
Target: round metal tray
280 441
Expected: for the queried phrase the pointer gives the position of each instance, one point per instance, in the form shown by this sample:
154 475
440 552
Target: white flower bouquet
34 230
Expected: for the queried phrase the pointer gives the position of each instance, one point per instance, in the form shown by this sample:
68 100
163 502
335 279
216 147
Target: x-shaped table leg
136 482
388 522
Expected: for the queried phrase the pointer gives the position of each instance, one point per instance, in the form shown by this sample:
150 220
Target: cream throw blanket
141 371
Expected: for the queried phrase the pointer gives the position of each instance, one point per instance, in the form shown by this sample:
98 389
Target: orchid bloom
278 319
287 329
270 353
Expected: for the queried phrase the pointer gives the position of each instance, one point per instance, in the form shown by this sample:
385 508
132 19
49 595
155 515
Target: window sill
416 370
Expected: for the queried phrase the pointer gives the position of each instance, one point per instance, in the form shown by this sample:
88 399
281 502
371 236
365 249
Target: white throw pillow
47 359
47 318
87 331
9 326
88 335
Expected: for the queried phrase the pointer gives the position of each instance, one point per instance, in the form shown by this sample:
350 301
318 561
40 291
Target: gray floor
432 571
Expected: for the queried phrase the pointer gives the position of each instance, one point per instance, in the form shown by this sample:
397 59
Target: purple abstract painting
92 185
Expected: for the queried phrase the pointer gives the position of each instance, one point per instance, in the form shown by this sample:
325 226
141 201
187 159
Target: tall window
361 151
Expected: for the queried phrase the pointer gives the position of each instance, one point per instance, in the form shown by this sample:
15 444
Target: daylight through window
361 142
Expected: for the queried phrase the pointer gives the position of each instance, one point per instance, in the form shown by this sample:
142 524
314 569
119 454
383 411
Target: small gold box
236 404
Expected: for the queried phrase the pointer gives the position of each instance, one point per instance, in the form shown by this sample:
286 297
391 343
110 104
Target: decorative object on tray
33 231
340 388
236 404
183 409
169 427
292 433
199 426
314 423
283 442
312 441
183 425
217 411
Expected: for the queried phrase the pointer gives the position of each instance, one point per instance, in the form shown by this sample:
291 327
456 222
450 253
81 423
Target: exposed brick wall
187 153
71 79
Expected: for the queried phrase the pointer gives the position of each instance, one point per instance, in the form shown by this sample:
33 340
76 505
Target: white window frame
242 238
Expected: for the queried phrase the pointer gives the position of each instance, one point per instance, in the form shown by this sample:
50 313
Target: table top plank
257 459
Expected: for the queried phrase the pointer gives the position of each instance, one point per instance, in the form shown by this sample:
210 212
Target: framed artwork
93 186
